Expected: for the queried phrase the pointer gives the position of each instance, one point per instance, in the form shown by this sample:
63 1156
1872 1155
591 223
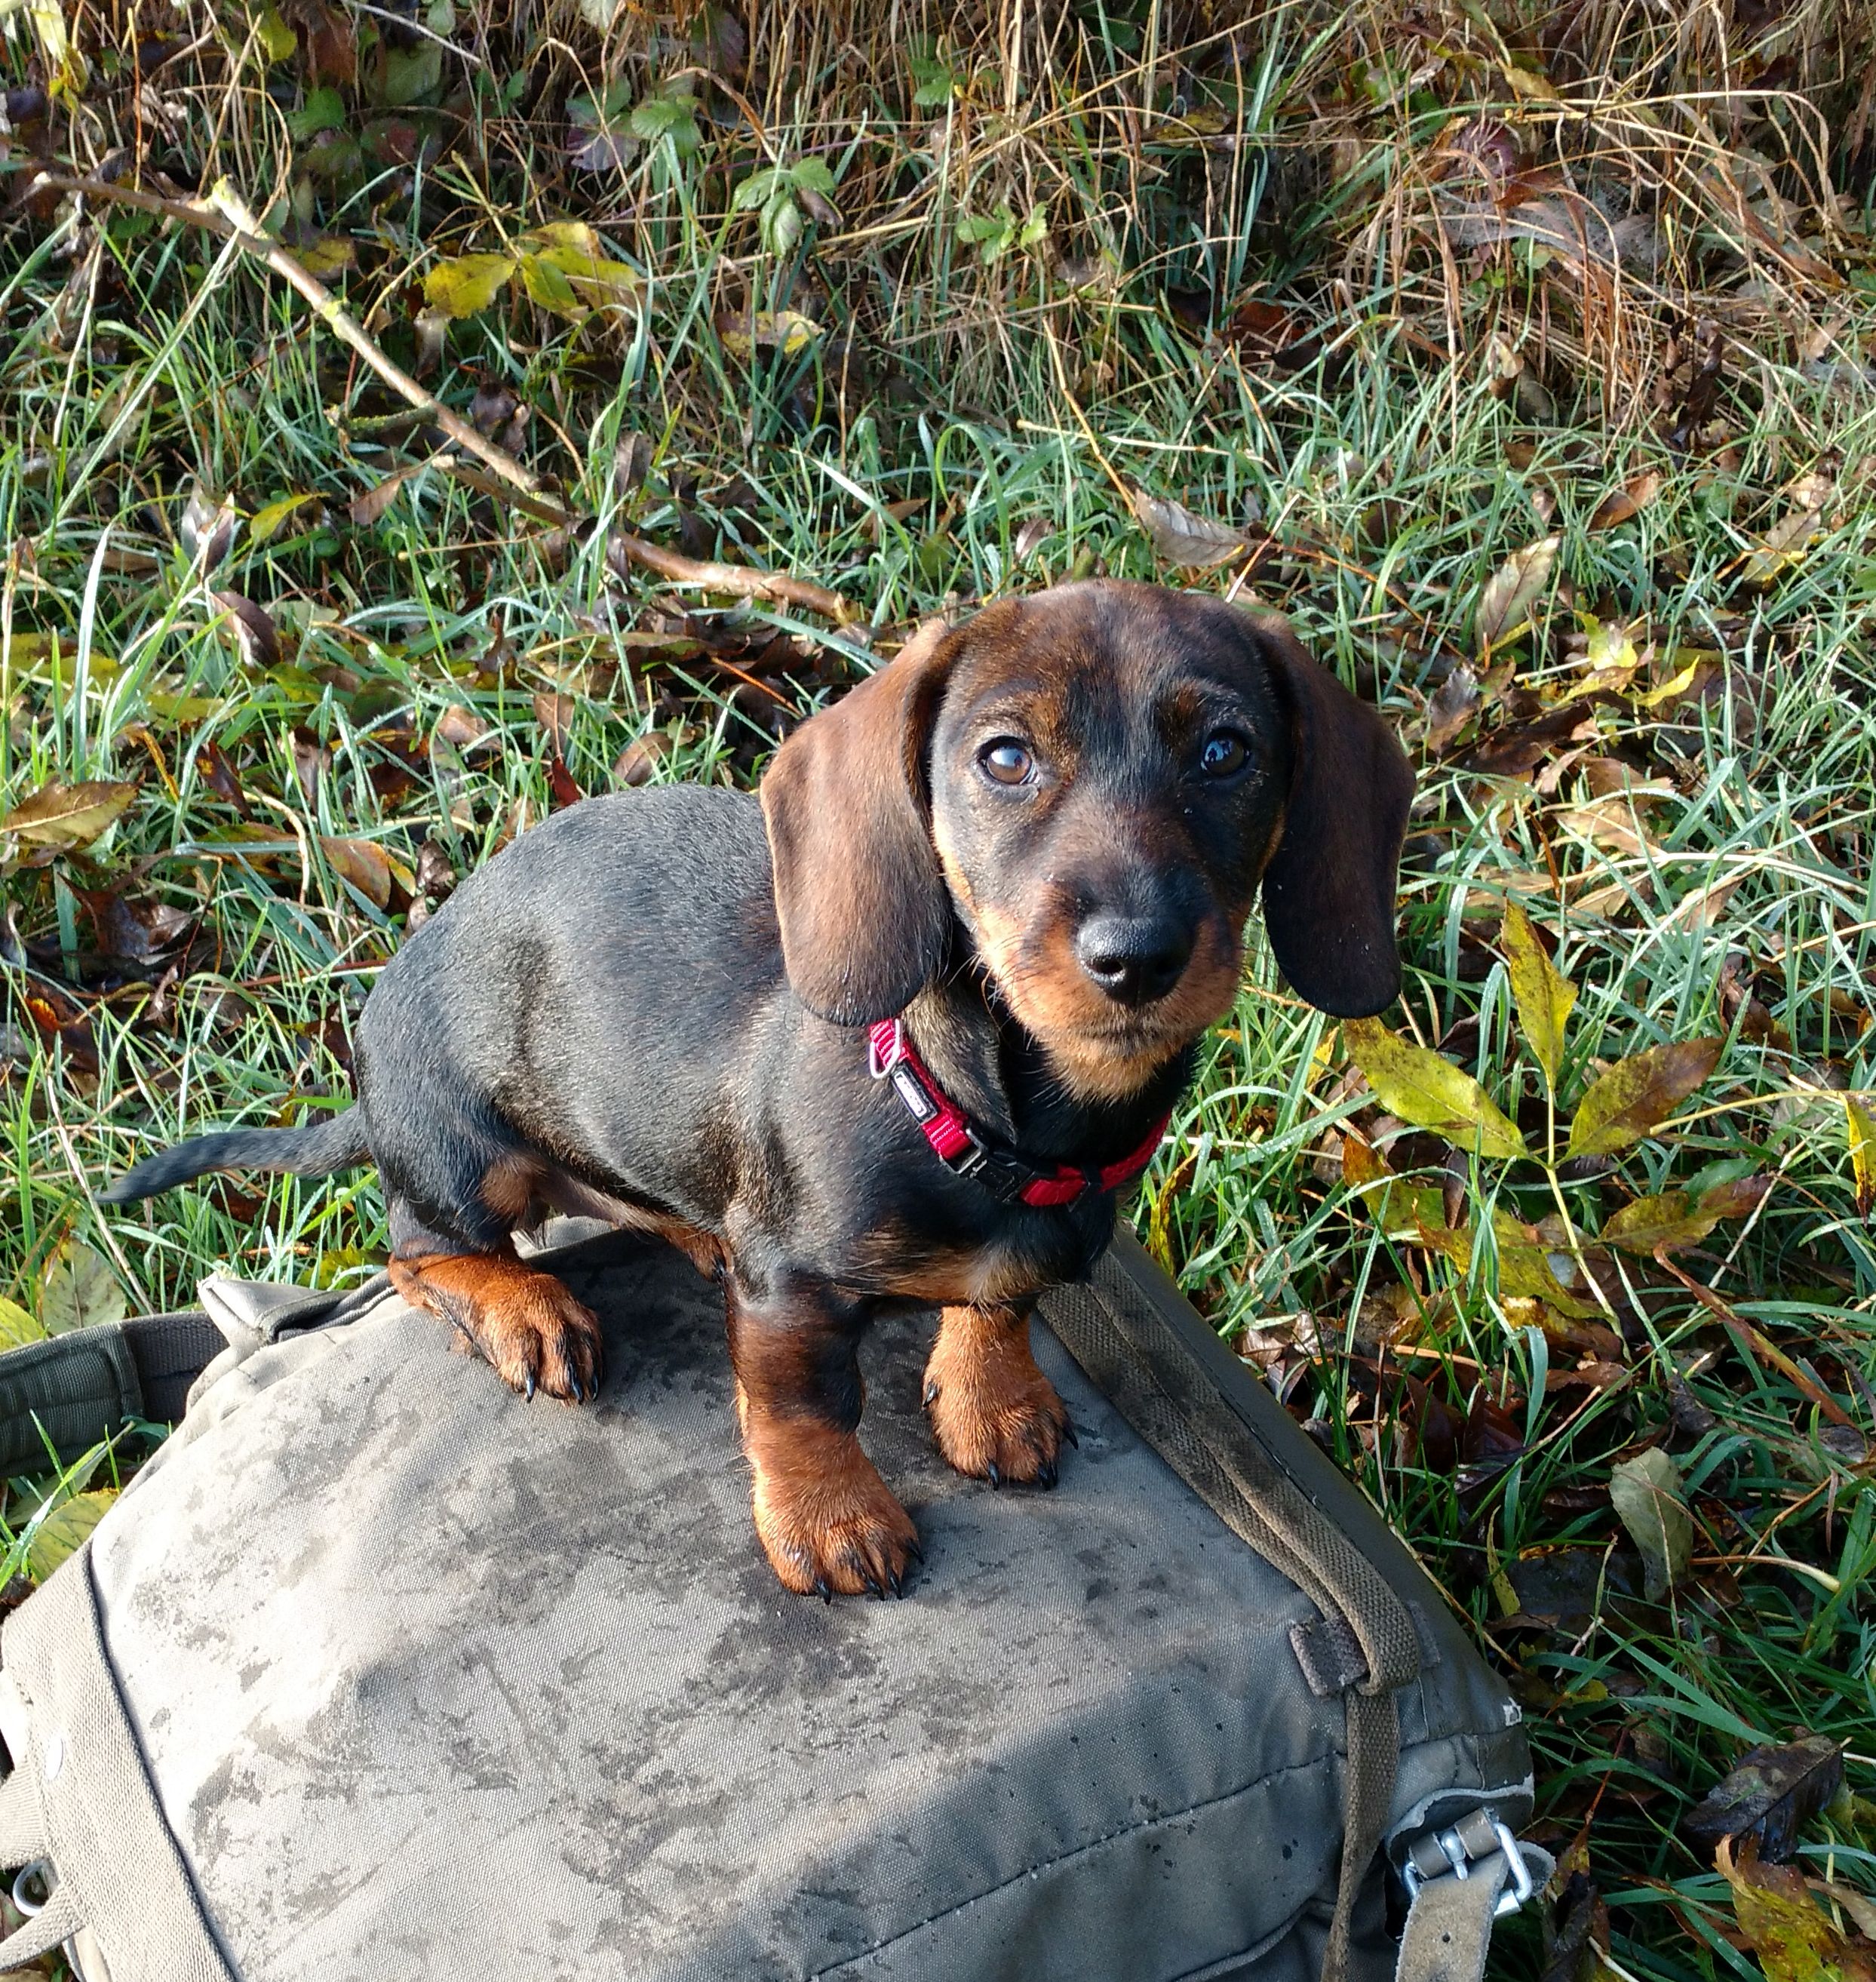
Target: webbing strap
22 1824
55 1923
73 1389
1113 1329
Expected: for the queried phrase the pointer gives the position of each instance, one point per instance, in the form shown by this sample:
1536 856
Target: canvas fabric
376 1671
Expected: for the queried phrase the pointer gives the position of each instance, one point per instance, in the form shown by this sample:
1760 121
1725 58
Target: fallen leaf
469 284
463 727
1631 500
1545 995
1182 537
1649 1500
788 331
1635 1094
328 256
554 713
1794 1938
1431 1093
1511 593
208 529
17 1326
63 818
254 632
1613 824
64 1530
1662 1222
560 783
1454 702
267 520
642 759
365 509
79 1290
1862 1132
1768 1795
363 864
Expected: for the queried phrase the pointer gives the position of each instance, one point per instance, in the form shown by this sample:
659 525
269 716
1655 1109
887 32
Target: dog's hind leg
457 1193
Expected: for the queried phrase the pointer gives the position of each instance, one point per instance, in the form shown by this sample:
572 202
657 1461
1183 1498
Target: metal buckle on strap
967 1161
1460 1855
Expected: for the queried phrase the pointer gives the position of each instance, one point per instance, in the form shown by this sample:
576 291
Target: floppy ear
863 910
1329 890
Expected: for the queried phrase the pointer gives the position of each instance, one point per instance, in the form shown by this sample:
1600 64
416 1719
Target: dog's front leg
996 1416
827 1521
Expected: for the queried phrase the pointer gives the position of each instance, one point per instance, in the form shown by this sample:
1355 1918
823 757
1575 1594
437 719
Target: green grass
957 429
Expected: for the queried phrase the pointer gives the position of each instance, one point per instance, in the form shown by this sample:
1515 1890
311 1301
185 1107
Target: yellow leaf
591 280
59 1536
1862 1134
269 518
279 42
1431 1093
1636 1093
1680 683
331 255
17 1326
78 1290
1545 995
470 283
549 286
1670 1220
789 328
65 817
1528 86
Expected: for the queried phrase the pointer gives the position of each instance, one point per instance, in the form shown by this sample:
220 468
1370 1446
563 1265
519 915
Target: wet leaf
1636 1093
363 864
1768 1795
1631 500
1648 1498
1545 995
79 1290
1511 594
1861 1130
63 818
1182 537
470 283
1794 1938
17 1326
1431 1093
60 1535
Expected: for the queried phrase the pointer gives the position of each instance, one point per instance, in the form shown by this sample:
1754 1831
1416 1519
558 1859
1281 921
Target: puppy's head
1094 781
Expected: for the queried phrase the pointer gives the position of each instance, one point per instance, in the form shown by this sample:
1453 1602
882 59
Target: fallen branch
741 581
223 214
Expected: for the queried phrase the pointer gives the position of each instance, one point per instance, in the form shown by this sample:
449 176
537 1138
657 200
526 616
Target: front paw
526 1323
827 1522
994 1414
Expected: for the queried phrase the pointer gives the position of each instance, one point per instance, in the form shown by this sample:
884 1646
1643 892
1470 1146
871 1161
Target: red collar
967 1151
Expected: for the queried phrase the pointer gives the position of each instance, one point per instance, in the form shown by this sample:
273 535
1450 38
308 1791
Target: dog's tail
333 1142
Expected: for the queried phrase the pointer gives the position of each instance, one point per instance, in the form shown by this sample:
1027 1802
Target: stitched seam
1080 1850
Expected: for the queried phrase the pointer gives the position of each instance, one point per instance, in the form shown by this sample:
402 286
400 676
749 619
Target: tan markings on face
1098 1054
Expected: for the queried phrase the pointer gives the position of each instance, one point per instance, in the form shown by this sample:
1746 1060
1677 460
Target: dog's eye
1006 761
1223 754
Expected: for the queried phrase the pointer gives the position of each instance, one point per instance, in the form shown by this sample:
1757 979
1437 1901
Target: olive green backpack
375 1671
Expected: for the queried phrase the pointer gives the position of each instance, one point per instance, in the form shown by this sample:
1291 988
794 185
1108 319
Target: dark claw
573 1384
916 1553
896 1582
1046 1475
873 1586
527 1386
824 1589
994 1475
1068 1432
931 1394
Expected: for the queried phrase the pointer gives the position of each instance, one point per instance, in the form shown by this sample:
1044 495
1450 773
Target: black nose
1134 959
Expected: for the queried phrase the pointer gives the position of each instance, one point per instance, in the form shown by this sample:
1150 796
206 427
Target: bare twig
1756 1346
224 214
742 581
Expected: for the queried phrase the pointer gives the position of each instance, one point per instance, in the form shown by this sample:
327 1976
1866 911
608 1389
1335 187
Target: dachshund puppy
896 1033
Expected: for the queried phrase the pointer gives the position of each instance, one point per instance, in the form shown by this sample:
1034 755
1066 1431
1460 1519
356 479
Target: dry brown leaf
62 818
1631 500
554 713
462 727
362 863
1182 537
1511 594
